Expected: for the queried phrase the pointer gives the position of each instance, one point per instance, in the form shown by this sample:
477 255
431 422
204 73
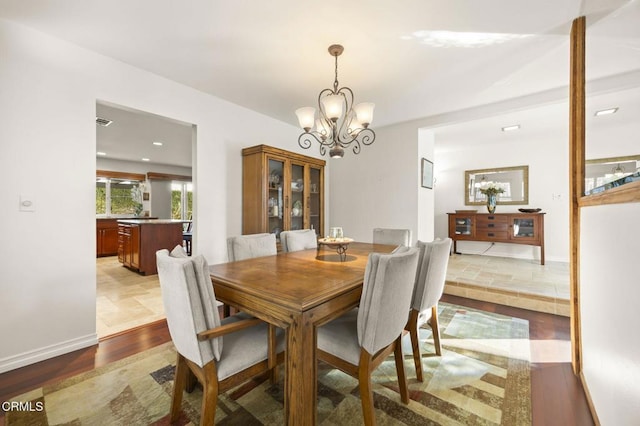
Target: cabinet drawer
491 235
483 220
490 227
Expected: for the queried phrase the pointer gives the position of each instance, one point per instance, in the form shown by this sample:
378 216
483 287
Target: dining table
297 291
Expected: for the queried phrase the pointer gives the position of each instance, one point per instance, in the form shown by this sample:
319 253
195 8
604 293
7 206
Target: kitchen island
139 239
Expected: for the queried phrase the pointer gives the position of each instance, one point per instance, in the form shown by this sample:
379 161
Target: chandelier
340 124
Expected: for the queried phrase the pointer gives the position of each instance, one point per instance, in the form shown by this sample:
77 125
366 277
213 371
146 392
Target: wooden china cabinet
281 191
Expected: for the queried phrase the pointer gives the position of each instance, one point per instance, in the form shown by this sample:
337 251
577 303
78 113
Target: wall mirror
600 173
513 180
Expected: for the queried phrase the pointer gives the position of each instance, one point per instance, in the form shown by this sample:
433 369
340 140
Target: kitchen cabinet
281 191
106 237
514 228
139 239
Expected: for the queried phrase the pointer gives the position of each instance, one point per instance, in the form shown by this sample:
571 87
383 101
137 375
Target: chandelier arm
368 136
305 139
356 146
343 131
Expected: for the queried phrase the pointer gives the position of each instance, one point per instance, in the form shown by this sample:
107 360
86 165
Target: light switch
27 204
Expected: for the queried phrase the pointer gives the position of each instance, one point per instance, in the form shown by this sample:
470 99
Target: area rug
482 378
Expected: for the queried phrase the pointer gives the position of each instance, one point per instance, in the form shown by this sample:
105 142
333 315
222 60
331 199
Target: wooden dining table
297 291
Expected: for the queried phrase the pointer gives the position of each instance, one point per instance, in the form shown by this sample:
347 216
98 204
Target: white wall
48 142
380 187
547 158
609 295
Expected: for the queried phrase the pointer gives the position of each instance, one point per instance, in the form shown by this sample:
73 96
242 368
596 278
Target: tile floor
127 299
512 282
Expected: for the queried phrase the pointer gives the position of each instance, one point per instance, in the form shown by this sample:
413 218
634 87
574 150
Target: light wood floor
127 299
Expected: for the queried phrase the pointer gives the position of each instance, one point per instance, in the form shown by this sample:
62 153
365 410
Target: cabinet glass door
297 197
275 200
315 189
523 228
463 225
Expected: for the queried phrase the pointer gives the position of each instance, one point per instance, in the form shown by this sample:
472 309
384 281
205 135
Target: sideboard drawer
488 234
490 227
485 220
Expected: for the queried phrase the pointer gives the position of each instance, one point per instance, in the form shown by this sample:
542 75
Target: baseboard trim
592 407
41 354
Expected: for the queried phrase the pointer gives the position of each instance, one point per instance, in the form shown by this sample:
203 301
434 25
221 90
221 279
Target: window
181 200
118 196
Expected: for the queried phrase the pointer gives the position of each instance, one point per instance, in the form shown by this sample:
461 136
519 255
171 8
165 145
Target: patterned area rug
481 379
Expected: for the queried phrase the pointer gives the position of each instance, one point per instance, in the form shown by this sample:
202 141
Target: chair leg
402 376
226 311
412 326
191 381
179 385
272 361
435 329
209 395
366 390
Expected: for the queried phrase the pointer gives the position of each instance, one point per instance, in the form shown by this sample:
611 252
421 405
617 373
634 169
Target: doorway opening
141 158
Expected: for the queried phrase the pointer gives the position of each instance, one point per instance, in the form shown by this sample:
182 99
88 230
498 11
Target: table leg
301 372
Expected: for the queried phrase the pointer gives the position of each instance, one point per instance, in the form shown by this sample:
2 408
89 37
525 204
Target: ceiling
132 134
413 59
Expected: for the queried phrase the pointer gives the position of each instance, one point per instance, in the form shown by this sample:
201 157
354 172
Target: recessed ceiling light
606 111
145 159
101 153
157 143
510 128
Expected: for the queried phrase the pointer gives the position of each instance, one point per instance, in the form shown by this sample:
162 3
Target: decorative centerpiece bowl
529 210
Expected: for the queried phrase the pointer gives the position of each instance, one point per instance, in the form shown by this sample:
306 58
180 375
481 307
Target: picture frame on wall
427 174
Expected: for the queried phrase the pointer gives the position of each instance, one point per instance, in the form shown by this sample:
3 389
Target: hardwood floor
557 395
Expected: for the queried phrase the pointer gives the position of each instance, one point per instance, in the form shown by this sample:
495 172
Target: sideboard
514 228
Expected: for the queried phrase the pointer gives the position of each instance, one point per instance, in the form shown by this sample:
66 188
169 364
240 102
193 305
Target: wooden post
576 178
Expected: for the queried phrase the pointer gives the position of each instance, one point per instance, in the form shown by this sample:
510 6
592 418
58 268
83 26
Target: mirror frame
525 180
613 159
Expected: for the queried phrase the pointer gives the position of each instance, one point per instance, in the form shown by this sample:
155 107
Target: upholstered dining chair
247 247
198 334
429 285
399 237
358 341
301 239
252 245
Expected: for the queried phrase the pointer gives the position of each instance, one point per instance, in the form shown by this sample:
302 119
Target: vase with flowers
491 190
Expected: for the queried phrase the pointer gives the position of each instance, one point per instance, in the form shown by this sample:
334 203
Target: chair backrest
301 239
249 246
431 273
189 304
386 297
400 237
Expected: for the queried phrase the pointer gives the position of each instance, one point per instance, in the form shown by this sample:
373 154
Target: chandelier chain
335 82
